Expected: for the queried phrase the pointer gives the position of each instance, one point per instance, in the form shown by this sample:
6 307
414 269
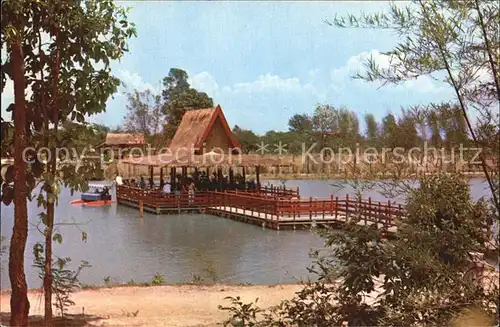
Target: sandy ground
183 305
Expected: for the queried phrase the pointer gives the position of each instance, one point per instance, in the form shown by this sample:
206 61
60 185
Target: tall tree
390 131
407 135
178 97
459 39
348 128
372 130
435 125
145 114
66 52
247 138
300 123
13 26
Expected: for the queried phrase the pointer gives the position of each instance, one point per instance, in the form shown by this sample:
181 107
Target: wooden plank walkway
277 209
298 222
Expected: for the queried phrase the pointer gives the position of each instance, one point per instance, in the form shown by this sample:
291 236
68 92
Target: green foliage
455 42
64 281
242 314
67 49
421 277
372 130
144 114
247 138
178 96
158 279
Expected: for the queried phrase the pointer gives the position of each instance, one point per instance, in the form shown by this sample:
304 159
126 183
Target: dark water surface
123 246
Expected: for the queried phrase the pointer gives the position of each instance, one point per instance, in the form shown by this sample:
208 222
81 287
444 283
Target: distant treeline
440 126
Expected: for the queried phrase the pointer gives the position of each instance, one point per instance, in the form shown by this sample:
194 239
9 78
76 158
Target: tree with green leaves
390 131
179 96
422 277
247 138
407 135
455 39
145 115
372 130
62 51
435 128
300 123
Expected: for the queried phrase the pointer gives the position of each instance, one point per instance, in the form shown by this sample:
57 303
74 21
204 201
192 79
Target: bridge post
370 211
389 216
310 207
346 207
336 207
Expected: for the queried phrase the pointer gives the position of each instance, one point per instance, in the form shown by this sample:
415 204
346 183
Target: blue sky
262 61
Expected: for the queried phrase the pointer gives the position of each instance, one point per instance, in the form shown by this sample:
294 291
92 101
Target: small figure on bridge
167 188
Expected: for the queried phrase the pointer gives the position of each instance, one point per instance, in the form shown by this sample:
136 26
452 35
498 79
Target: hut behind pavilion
121 143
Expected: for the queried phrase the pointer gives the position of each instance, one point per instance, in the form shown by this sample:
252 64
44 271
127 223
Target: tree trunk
47 280
19 304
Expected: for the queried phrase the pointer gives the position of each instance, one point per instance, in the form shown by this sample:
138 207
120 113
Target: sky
262 61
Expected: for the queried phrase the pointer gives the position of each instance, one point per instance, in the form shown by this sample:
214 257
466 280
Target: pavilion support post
208 172
172 178
231 176
257 175
161 178
244 175
219 177
151 168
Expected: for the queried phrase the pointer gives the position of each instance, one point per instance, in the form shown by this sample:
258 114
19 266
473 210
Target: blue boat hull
87 197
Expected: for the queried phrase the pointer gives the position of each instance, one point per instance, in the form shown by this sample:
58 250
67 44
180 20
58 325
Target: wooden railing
272 205
254 203
155 198
280 191
366 211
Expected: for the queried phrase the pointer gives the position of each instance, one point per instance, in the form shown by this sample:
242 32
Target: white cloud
269 82
204 82
356 64
134 81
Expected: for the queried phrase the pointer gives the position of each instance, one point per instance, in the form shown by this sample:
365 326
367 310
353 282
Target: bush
64 281
422 277
158 279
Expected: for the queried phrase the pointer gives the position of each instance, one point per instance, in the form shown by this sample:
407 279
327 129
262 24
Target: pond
125 247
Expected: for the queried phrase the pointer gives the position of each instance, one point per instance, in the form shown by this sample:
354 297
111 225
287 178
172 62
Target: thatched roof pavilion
204 139
204 128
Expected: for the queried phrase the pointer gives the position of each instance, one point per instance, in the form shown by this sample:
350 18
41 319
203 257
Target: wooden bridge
271 207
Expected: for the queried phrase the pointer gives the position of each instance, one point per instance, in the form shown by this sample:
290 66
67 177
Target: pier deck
271 209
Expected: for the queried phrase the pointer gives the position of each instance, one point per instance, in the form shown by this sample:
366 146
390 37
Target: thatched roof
210 159
127 139
195 127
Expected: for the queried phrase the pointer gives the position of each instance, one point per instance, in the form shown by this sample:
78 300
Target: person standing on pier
166 189
191 189
119 180
142 183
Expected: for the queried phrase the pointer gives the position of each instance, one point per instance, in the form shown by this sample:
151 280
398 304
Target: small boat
97 195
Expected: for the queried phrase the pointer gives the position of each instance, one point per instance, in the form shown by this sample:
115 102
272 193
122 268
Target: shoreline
288 177
316 177
162 305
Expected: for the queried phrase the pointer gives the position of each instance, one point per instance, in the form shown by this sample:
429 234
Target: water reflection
124 246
